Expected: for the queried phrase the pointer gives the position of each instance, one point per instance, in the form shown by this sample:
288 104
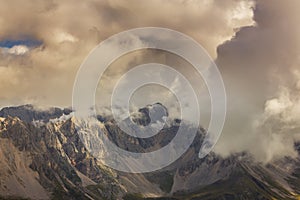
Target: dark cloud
255 64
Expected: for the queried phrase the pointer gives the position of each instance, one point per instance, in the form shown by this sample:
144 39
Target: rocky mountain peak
150 114
54 161
29 113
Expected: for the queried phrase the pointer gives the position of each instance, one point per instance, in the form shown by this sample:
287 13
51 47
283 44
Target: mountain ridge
56 161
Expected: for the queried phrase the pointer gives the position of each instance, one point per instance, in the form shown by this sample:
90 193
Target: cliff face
42 157
49 162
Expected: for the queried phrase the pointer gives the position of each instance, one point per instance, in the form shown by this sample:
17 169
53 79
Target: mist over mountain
48 160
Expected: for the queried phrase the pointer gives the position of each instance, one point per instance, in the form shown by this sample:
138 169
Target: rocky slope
42 157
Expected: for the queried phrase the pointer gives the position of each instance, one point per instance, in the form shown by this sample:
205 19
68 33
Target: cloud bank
256 46
260 65
68 31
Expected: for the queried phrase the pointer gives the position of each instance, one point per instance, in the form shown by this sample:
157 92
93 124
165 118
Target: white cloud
278 127
61 36
280 104
16 50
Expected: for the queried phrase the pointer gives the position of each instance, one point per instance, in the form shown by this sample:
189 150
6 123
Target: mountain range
42 156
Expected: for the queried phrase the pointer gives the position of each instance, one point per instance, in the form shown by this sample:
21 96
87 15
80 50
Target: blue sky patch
28 42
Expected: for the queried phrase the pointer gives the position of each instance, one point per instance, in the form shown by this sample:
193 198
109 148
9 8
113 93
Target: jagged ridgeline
42 157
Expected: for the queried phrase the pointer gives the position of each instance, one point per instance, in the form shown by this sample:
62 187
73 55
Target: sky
255 44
